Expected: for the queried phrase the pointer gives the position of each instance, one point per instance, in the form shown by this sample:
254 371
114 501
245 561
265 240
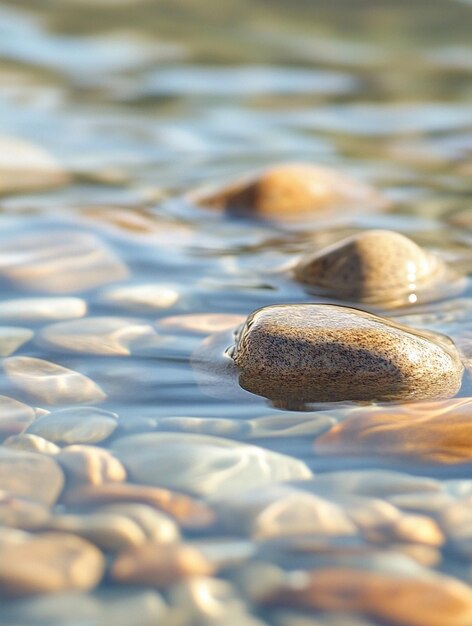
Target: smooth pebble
50 382
194 463
280 511
187 511
41 309
15 416
142 298
59 262
90 465
75 425
96 335
159 565
31 443
30 475
47 563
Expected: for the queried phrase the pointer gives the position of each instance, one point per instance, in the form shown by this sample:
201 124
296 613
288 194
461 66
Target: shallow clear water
140 101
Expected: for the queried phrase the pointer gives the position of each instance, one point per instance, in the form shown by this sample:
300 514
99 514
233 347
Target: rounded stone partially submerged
377 267
290 191
319 352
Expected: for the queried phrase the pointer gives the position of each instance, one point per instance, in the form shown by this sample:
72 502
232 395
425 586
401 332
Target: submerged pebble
90 465
428 600
42 309
156 526
51 383
314 352
15 416
187 511
31 443
48 563
12 338
96 335
108 531
282 511
26 167
200 323
377 267
21 513
143 298
59 262
291 191
83 424
30 475
434 433
194 463
159 565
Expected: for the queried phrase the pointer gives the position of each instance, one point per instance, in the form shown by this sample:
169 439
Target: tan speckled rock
377 267
290 191
159 565
47 563
315 352
425 432
431 600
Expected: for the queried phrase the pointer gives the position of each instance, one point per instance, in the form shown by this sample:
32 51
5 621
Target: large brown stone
425 432
319 352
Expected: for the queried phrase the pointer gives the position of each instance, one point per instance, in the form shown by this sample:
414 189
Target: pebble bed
235 316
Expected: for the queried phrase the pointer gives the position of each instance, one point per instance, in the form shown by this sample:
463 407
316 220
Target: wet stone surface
321 353
235 313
